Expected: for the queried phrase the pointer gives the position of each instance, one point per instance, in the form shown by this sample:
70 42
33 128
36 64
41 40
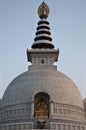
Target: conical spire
43 38
42 54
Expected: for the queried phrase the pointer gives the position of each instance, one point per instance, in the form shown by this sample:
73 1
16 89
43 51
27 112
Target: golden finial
43 10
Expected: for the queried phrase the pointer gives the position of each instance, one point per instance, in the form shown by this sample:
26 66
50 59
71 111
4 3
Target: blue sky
18 22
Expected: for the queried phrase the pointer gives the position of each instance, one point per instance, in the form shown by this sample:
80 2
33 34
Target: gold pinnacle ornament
43 10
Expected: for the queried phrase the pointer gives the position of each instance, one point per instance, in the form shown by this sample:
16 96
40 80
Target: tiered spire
42 54
43 38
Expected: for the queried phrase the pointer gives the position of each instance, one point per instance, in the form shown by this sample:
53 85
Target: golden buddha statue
41 109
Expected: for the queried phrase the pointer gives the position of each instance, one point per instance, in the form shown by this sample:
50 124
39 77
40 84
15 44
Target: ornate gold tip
43 10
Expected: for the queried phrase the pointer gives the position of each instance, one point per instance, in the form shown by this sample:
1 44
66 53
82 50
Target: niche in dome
41 106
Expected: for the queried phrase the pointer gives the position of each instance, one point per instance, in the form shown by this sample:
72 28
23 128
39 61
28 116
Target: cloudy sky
18 22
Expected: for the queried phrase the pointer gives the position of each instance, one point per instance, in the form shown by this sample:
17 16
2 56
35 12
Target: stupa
42 97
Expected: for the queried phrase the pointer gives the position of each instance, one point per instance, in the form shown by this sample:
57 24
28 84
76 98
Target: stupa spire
43 35
42 53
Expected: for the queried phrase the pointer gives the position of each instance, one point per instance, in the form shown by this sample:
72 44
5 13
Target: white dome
60 88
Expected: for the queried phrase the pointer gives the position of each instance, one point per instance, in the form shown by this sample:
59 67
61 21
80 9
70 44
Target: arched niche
41 105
